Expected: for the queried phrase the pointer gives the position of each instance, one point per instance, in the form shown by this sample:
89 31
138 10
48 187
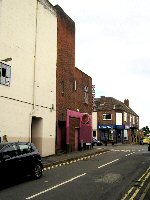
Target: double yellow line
132 193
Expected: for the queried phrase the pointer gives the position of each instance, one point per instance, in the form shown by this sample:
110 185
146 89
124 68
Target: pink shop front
78 131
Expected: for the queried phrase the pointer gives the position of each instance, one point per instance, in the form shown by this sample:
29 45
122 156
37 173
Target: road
119 174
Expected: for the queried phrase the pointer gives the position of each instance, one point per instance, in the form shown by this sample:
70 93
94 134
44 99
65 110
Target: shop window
125 135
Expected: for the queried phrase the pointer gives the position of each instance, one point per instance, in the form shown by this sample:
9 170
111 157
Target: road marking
145 191
74 161
130 154
86 157
56 186
146 175
141 185
108 163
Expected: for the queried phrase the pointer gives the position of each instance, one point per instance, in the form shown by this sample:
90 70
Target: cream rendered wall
17 40
45 92
94 122
23 41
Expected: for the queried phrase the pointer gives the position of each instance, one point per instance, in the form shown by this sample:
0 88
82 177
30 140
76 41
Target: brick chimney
126 102
102 99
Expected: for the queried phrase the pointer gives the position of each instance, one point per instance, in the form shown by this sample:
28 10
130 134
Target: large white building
28 38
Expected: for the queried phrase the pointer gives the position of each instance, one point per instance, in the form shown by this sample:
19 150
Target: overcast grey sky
113 47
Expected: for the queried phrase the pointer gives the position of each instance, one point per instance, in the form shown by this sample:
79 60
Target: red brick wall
67 72
65 63
83 80
106 122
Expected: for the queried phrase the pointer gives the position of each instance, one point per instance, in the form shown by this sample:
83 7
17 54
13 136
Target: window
5 74
107 117
94 133
24 148
10 150
75 85
137 120
133 119
130 118
125 135
86 94
125 117
62 87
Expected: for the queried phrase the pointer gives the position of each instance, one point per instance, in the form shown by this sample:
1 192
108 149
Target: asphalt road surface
119 174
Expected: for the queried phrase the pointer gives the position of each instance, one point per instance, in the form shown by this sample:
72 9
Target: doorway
61 140
37 132
76 139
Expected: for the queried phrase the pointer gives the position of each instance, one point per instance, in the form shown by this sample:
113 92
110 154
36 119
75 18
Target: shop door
76 139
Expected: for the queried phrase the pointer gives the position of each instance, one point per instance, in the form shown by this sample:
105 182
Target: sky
113 47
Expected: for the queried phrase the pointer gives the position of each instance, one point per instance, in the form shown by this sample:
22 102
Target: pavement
67 158
53 160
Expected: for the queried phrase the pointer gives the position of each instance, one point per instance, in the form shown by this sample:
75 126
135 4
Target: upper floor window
75 85
86 94
125 117
130 118
137 120
5 74
62 87
133 119
107 116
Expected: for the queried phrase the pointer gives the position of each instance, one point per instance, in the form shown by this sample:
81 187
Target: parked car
19 159
96 142
146 140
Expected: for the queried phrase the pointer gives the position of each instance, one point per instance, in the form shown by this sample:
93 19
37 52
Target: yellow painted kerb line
136 192
141 185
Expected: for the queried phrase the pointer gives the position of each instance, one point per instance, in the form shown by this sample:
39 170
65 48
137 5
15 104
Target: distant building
115 120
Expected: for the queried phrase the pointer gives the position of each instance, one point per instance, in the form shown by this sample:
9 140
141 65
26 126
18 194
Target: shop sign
119 127
105 126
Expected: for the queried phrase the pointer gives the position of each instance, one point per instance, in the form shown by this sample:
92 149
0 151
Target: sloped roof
110 103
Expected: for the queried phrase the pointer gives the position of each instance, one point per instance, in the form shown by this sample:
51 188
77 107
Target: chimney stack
126 102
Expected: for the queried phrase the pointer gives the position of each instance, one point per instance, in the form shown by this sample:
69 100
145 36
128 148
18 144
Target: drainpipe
34 75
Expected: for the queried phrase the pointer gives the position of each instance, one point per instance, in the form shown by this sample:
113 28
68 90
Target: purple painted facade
84 129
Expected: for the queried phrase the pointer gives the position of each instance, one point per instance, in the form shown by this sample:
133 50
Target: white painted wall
94 122
30 47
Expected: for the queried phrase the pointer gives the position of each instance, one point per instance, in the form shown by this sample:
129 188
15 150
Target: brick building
73 90
115 120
